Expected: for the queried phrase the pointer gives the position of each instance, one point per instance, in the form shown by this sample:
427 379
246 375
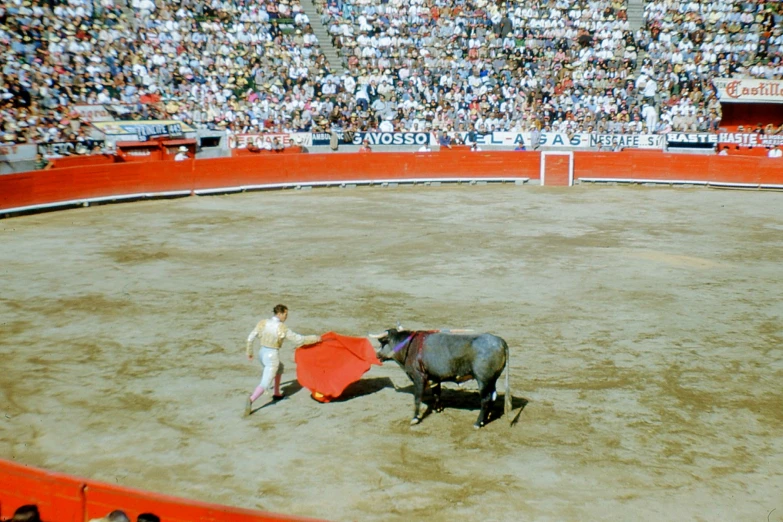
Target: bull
436 357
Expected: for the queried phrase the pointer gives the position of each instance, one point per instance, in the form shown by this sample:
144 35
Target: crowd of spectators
251 66
213 64
693 41
559 65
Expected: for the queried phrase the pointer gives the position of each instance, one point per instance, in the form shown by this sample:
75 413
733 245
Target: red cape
328 367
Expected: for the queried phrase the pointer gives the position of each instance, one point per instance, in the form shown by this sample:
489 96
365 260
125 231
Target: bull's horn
399 327
378 336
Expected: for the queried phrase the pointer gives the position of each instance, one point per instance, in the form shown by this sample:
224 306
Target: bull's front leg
419 382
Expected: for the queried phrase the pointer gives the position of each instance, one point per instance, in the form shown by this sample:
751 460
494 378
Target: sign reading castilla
748 90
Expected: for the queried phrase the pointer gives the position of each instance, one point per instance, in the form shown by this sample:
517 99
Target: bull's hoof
415 421
478 425
438 409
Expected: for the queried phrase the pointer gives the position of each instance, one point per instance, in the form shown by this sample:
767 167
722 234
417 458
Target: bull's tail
508 403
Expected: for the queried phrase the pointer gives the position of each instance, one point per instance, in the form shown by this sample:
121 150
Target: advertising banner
751 139
288 139
321 139
687 140
506 139
392 138
143 128
627 141
90 113
748 90
68 148
146 132
579 140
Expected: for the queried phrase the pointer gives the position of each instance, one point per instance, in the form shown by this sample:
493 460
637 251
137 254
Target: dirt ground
645 326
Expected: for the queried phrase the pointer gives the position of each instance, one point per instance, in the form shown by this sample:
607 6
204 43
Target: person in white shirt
425 148
386 126
775 152
650 116
182 154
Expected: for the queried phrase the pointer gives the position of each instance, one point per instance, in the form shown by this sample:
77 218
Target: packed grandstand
440 66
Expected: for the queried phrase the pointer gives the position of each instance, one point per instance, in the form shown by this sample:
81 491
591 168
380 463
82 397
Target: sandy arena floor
645 324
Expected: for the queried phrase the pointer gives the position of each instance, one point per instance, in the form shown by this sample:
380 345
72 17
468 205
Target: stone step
324 41
635 13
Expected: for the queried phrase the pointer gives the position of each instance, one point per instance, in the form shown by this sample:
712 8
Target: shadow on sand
358 389
468 399
364 387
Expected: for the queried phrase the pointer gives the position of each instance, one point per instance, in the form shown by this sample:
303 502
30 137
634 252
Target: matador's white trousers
270 360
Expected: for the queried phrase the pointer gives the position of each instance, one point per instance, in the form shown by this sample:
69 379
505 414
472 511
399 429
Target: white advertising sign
289 139
751 140
93 113
579 140
747 90
627 141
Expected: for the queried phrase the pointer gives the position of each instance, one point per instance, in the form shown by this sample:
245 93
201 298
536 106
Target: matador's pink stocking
257 393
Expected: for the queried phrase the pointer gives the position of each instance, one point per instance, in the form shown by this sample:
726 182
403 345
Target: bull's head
388 340
383 353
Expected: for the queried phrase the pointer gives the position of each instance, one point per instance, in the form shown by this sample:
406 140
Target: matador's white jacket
272 332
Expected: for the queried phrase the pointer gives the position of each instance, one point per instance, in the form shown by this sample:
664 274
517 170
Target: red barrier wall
104 498
73 184
294 168
62 498
638 165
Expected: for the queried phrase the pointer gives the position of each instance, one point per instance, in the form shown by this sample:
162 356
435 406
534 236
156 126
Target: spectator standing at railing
182 154
26 513
41 163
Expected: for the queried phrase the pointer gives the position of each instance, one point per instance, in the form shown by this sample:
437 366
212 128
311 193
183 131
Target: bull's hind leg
487 392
